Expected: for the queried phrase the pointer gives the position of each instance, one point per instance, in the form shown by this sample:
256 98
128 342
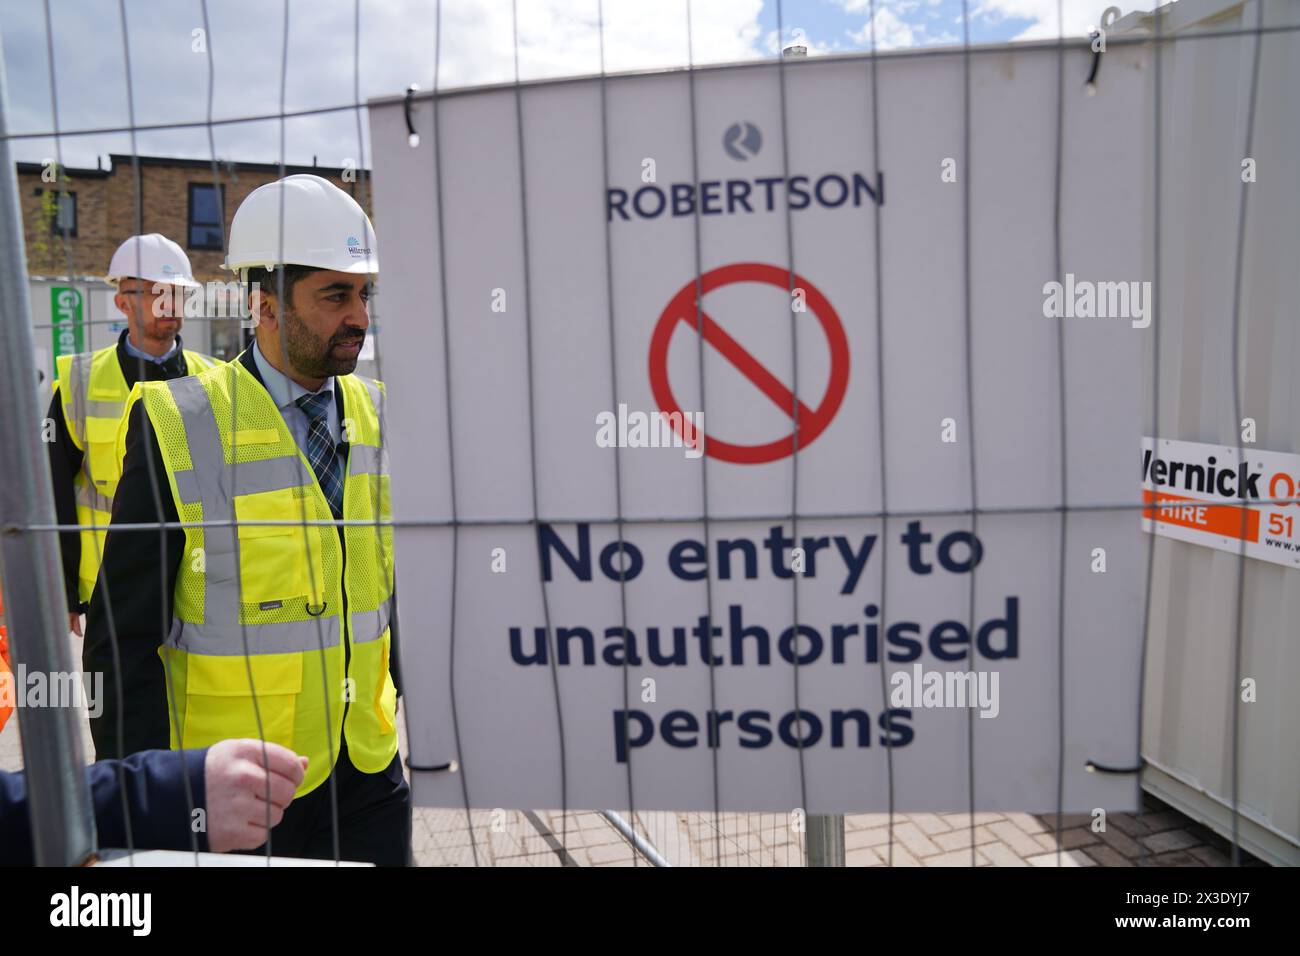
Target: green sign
65 315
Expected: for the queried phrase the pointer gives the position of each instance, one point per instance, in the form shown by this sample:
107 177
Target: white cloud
170 80
864 6
892 32
1078 15
556 38
561 38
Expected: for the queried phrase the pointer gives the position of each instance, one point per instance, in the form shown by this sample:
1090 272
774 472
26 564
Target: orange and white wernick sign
1212 496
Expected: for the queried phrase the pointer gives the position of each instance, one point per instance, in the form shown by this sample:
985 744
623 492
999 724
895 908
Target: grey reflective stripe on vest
91 498
204 483
83 406
98 408
376 396
370 625
367 460
249 477
208 482
227 640
78 385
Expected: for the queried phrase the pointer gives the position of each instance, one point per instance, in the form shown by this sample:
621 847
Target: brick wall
93 245
106 210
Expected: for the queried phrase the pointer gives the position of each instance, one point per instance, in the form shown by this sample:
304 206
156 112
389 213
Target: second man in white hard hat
276 631
151 274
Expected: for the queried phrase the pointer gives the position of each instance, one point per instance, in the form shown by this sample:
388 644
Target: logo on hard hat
355 249
167 268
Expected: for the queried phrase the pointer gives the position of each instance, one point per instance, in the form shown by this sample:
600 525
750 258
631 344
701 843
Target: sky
329 62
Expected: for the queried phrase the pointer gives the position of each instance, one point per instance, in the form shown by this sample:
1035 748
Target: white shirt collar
156 359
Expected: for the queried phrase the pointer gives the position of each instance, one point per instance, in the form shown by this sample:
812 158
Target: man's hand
236 781
74 623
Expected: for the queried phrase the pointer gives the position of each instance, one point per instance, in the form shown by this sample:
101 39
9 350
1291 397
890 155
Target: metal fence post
825 840
63 827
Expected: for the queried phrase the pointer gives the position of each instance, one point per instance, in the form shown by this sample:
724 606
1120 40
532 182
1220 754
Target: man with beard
151 274
271 619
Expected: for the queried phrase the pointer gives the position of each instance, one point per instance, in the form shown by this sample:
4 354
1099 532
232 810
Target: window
206 219
64 222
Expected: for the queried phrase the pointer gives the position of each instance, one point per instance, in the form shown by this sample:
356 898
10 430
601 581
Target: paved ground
1162 837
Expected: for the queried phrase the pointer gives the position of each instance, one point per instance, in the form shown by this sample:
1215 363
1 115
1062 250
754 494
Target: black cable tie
450 765
1091 82
1094 767
412 137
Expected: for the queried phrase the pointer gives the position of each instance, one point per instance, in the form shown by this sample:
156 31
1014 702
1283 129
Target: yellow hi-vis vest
276 629
93 392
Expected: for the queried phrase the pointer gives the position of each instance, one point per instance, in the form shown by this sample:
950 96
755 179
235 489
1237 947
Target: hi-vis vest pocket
255 436
386 704
102 429
101 449
278 562
371 720
219 697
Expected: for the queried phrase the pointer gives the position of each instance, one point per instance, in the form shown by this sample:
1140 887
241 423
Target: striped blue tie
321 451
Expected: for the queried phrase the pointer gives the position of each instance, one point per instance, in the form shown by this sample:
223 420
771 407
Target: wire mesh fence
474 835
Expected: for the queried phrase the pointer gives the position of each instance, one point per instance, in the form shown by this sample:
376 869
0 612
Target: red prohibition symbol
681 311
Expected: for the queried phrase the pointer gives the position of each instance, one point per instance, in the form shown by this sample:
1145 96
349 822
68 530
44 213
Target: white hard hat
153 258
323 227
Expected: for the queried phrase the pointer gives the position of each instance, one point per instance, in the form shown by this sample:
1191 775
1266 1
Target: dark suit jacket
138 579
66 457
154 784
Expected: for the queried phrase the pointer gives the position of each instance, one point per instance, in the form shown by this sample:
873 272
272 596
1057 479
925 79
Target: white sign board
1197 491
825 663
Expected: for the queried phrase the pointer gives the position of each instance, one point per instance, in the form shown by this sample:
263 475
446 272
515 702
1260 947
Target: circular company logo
742 141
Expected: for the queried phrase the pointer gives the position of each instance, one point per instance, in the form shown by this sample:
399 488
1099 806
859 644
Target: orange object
1225 520
6 675
6 680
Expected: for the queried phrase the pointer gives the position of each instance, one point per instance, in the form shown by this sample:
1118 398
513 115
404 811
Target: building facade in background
74 218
